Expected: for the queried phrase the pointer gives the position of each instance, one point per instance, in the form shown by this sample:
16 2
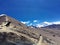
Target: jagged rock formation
13 32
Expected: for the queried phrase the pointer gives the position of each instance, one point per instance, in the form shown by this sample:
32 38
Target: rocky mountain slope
13 32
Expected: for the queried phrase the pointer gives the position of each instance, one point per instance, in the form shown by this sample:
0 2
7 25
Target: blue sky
29 10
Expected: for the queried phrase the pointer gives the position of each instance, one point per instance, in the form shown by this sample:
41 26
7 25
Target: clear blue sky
24 10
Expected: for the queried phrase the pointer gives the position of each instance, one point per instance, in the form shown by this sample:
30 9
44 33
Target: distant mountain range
53 26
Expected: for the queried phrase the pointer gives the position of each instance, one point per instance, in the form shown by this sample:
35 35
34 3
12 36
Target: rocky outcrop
13 39
6 38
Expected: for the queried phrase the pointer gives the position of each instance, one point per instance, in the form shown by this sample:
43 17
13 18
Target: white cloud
35 20
30 24
48 23
45 23
25 22
57 22
38 24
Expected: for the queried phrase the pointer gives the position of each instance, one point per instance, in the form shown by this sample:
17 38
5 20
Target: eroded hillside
13 32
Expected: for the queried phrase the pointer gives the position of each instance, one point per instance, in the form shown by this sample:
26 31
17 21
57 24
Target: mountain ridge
26 35
53 26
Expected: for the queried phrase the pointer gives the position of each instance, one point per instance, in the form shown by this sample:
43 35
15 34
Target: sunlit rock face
9 30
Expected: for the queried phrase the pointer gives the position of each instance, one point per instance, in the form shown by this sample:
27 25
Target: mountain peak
3 15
